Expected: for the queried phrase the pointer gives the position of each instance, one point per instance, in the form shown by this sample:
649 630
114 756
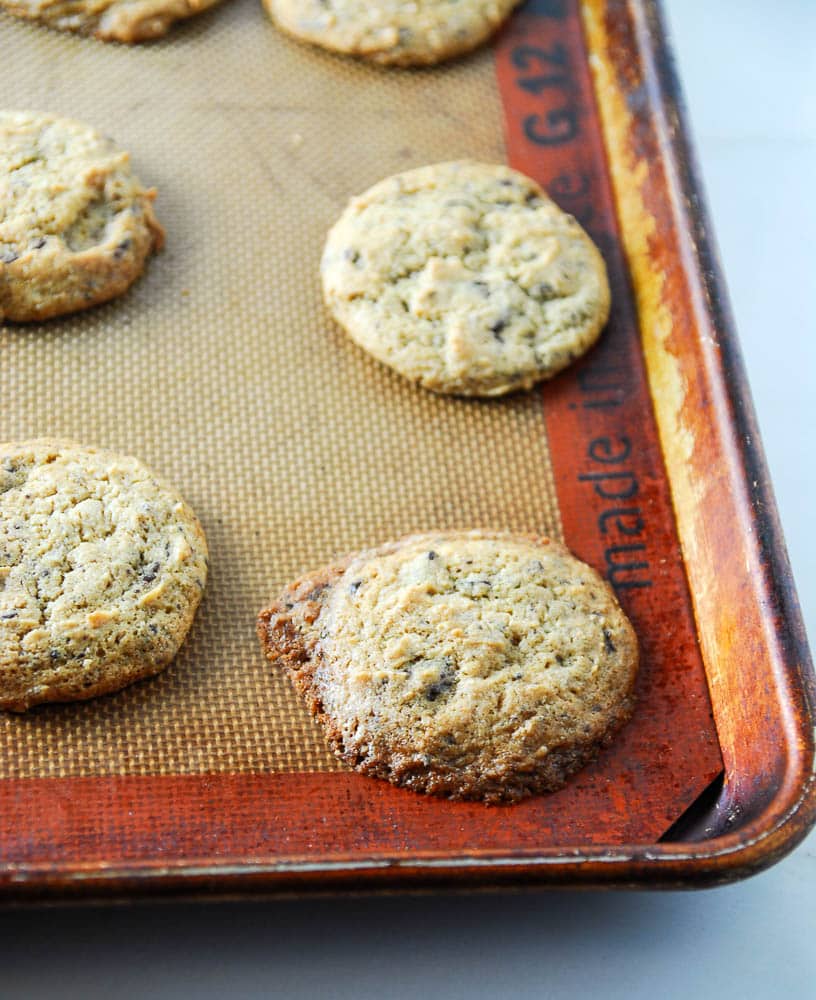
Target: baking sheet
222 369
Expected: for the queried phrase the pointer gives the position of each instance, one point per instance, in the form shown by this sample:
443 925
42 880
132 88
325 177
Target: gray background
748 68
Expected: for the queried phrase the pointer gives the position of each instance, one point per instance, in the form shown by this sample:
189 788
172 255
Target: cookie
109 20
76 226
392 32
474 665
465 278
102 567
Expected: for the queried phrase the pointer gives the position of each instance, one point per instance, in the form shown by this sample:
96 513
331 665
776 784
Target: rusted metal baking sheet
222 369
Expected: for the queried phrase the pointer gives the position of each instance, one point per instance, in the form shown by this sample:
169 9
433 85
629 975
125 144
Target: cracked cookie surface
76 226
466 278
102 567
109 20
471 664
392 32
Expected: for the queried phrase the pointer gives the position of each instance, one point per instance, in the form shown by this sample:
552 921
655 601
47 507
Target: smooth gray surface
748 69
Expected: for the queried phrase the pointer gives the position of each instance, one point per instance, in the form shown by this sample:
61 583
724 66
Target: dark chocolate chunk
496 329
543 292
444 682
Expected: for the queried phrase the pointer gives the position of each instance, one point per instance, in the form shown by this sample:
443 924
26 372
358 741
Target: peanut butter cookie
392 32
465 278
102 567
473 665
76 226
109 20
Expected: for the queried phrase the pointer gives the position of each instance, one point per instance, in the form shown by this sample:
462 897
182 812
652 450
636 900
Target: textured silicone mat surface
222 370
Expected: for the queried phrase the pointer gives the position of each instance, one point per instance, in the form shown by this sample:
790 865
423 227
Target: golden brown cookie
102 567
109 20
475 665
392 32
76 226
466 278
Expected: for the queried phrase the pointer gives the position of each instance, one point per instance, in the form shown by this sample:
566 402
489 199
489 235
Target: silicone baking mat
222 370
